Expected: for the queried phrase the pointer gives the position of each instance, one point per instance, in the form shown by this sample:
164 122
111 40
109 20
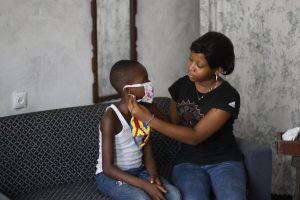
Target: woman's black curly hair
217 49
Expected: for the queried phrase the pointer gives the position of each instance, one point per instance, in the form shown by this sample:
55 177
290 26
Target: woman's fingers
130 103
134 102
138 111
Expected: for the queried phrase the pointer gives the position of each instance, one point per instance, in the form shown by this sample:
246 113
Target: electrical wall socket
19 100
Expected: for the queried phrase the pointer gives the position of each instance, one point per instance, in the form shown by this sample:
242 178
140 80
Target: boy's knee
173 193
176 194
142 196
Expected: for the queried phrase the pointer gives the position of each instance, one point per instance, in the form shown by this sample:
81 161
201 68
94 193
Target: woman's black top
219 147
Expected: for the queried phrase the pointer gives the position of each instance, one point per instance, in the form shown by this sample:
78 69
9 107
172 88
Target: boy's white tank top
127 154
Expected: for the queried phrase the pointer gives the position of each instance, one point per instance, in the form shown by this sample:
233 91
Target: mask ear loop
135 85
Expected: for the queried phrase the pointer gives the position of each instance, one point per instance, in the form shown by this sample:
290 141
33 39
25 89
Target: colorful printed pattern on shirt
138 128
189 114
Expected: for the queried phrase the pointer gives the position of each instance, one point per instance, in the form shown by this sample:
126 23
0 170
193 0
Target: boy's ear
127 90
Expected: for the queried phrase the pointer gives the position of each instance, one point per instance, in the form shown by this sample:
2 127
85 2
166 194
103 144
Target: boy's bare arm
109 129
149 160
150 165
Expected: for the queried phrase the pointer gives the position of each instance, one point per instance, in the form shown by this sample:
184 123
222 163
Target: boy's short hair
122 73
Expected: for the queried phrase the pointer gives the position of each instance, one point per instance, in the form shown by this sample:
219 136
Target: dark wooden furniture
291 148
133 53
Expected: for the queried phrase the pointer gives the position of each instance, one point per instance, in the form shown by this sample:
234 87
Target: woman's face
198 68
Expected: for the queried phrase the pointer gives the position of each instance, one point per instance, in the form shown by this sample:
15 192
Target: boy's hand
153 191
155 180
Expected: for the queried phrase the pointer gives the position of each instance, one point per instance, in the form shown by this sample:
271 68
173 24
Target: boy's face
141 76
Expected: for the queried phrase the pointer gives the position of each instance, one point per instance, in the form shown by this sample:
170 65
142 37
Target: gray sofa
52 155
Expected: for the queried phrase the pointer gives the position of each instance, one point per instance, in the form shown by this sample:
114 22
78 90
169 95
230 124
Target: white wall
46 50
166 30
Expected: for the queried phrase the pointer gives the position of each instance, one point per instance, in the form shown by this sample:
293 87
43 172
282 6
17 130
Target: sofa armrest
258 164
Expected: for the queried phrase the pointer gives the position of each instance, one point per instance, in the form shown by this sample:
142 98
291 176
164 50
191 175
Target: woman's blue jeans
121 191
226 179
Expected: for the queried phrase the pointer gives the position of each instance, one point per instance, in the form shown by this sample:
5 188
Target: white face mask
149 91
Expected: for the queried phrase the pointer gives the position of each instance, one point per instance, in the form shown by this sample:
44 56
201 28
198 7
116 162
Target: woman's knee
192 181
190 174
229 181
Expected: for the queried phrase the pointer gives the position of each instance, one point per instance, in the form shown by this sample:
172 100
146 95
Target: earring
216 78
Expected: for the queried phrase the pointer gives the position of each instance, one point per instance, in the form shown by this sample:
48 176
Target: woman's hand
138 111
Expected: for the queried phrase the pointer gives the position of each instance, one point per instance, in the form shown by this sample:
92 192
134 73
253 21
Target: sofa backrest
50 148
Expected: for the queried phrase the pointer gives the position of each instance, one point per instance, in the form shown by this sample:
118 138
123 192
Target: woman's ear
219 70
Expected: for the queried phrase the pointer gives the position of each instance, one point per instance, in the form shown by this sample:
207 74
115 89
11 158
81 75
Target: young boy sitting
120 172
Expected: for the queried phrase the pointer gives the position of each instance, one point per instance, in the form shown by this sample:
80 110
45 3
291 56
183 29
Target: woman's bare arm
172 113
207 126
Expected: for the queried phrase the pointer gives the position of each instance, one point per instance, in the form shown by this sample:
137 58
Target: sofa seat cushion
86 190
